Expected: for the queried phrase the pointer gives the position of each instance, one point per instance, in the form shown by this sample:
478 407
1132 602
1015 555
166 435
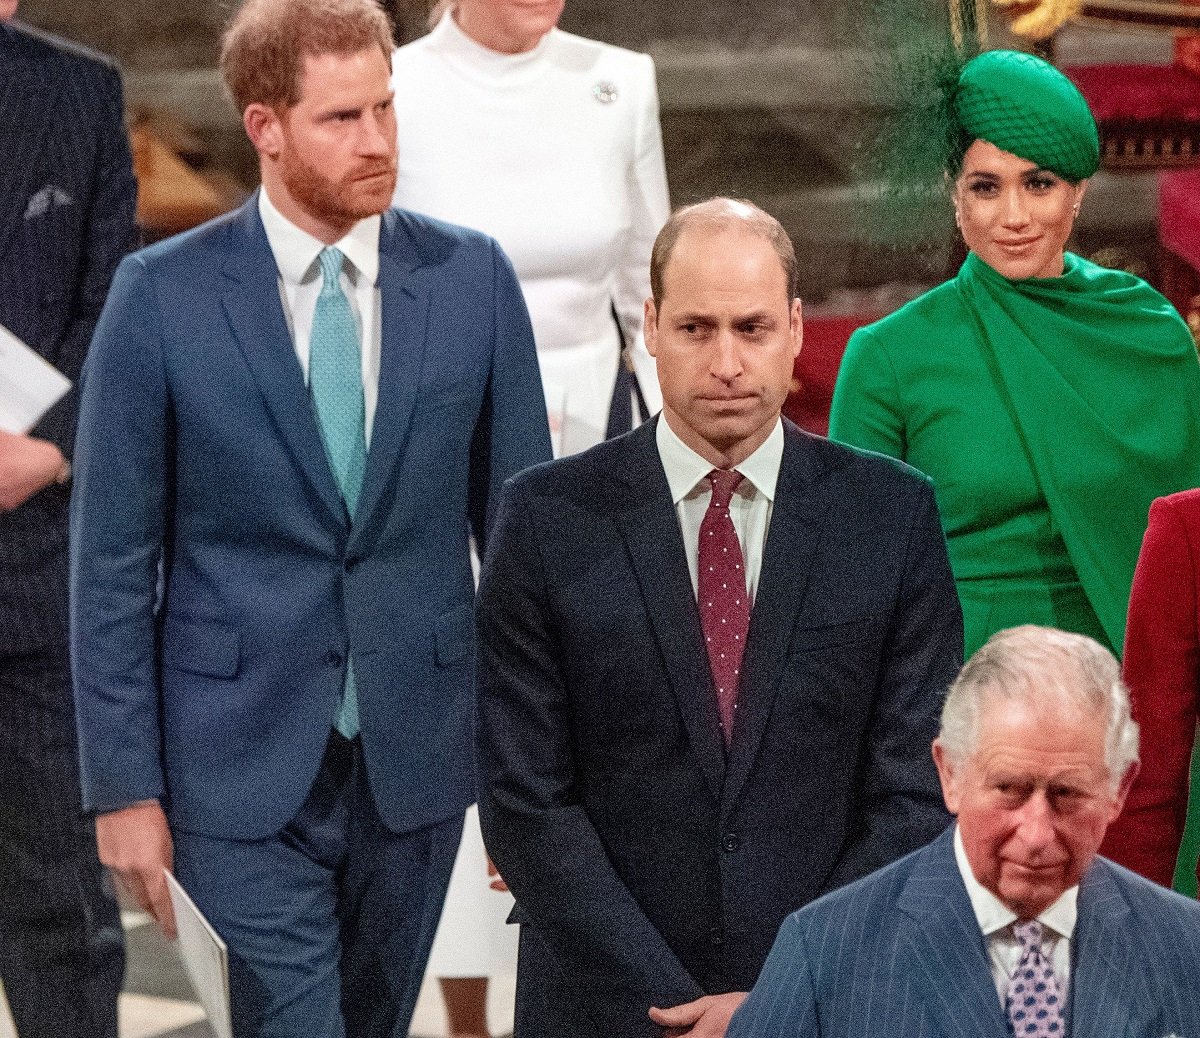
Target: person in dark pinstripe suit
67 197
1036 754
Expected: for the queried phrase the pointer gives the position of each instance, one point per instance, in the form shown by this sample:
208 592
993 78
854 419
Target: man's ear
264 128
947 776
1123 789
797 326
650 327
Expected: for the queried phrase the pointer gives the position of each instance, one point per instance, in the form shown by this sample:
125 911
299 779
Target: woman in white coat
551 144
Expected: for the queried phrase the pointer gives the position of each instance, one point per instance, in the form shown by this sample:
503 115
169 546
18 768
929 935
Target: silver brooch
605 92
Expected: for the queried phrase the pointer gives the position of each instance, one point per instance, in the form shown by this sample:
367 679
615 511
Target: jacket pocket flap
826 636
201 648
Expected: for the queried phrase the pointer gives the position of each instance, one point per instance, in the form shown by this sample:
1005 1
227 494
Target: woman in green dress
1049 399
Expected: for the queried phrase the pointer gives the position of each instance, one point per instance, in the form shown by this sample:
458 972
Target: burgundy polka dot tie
1034 1002
724 604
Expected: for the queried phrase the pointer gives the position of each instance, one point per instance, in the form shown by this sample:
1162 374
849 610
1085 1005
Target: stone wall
766 99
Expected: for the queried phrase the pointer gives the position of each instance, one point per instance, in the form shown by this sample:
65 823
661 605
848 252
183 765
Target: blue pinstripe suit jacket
66 218
899 954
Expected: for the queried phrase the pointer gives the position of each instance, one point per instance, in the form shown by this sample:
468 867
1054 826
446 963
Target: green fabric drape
1097 366
1049 414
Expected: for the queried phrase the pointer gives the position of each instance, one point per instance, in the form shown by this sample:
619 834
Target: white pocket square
47 198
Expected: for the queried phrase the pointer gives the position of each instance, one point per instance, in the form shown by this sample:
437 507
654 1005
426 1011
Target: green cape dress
1049 413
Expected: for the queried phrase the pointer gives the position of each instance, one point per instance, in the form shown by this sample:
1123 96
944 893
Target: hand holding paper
135 842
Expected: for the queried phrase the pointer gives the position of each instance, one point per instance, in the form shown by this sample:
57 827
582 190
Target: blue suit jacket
900 955
67 198
650 866
212 680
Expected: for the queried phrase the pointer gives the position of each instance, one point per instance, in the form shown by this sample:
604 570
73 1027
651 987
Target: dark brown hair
266 41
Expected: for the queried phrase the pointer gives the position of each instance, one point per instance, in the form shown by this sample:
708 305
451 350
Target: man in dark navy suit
712 654
293 419
1007 924
67 199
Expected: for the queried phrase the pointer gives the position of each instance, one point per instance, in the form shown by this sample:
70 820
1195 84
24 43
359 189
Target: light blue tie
335 379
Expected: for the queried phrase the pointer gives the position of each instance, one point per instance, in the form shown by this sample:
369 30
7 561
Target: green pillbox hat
1025 106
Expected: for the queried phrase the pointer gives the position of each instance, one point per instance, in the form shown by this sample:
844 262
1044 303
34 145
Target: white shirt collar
686 469
296 250
993 915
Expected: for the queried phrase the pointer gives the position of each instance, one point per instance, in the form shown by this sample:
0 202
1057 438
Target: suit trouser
62 954
329 923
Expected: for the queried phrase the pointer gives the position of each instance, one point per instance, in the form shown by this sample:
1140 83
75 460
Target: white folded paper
205 959
29 386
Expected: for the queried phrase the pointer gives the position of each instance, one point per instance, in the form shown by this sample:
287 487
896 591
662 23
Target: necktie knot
1028 935
724 483
331 261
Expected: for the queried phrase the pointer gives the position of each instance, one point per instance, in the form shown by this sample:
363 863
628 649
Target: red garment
721 590
1162 670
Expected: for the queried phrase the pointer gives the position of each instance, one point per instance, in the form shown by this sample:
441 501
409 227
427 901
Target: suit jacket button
349 565
731 843
717 936
334 658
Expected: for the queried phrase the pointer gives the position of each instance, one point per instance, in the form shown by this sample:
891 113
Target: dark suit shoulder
845 460
46 49
607 472
433 240
1152 901
214 237
869 898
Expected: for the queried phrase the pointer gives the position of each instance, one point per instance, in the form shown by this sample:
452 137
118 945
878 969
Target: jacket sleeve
1162 669
118 519
900 801
109 233
534 824
512 433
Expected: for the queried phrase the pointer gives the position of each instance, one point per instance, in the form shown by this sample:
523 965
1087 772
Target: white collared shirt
296 253
750 507
996 919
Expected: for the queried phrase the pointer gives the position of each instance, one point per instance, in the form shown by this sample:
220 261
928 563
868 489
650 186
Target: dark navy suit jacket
900 955
67 198
649 867
212 680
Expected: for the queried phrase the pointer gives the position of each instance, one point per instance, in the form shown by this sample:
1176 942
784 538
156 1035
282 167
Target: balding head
714 216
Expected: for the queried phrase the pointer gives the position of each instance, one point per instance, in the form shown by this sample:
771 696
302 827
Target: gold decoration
1037 19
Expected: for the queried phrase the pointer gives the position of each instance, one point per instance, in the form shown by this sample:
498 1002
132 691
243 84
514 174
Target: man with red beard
292 419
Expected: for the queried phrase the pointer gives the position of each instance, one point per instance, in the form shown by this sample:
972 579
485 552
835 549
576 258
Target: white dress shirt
996 921
749 508
300 280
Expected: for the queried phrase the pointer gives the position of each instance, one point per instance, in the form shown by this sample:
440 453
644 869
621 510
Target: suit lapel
946 951
802 497
28 99
655 545
252 304
404 311
1108 997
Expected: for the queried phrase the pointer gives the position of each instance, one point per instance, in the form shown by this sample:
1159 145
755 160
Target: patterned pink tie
1034 1003
724 604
